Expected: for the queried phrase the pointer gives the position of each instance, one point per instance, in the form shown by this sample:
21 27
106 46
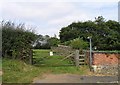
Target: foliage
16 71
105 34
16 41
53 41
78 44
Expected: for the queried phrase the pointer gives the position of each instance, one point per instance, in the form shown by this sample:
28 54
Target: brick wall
106 63
105 59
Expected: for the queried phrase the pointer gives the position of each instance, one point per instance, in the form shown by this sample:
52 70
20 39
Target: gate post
77 57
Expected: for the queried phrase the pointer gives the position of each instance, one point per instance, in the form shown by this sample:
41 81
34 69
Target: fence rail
77 59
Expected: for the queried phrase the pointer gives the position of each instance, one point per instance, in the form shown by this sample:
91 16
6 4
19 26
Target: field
42 57
16 71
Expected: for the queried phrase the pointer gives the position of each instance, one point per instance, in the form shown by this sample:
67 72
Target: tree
78 44
53 41
105 34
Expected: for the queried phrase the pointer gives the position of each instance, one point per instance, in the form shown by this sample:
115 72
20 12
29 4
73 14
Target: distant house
42 42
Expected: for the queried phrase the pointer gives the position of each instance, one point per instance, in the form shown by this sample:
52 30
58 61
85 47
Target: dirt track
73 78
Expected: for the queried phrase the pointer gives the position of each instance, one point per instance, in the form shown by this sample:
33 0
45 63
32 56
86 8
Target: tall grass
0 70
16 71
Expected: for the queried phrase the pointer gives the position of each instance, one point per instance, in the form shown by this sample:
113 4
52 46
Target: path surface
72 78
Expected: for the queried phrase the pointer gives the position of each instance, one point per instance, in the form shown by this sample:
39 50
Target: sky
47 17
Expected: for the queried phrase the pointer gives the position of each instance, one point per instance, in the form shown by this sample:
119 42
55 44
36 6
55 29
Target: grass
41 57
16 71
40 53
51 61
0 70
0 64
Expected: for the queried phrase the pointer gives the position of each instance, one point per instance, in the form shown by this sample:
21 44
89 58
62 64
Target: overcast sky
47 17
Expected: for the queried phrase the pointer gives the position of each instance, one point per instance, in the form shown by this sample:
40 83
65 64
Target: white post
51 53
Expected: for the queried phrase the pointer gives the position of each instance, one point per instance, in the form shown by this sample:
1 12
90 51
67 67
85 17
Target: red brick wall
103 59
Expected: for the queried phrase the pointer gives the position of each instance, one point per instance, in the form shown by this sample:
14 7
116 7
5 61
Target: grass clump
16 71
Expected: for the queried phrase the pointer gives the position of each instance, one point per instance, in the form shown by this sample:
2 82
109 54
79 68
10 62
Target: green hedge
16 41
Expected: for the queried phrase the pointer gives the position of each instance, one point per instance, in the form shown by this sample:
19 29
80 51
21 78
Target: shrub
16 41
78 44
54 41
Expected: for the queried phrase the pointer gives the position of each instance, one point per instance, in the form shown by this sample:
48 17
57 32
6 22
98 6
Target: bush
16 41
78 44
54 41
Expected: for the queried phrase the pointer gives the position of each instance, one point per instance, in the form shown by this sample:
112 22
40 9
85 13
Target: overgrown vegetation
77 43
53 41
16 41
16 71
105 34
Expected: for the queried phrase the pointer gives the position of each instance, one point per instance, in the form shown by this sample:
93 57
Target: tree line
105 34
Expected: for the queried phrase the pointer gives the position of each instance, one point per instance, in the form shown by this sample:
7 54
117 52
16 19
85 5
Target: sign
51 53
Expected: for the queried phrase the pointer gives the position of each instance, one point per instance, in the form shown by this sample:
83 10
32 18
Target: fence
78 58
102 62
73 55
62 50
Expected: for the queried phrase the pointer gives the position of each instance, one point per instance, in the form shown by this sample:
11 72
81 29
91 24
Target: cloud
41 11
20 11
61 0
86 11
49 17
73 17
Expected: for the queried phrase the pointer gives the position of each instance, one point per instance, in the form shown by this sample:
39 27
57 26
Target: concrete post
77 57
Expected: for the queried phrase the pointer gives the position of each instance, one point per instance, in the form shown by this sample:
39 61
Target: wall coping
115 52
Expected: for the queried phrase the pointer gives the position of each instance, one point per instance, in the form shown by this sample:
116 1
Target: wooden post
77 57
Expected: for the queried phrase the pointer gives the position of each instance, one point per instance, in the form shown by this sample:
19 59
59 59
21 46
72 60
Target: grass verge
16 71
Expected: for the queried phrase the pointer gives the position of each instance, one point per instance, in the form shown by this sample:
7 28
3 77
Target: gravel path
72 78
